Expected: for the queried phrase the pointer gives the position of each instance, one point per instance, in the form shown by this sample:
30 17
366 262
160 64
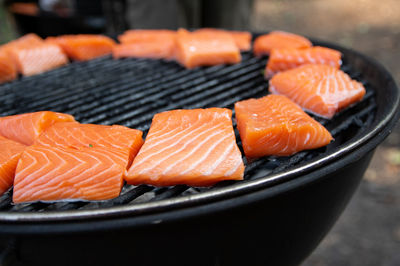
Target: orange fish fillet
26 41
133 36
53 173
274 125
143 50
125 141
284 59
320 89
278 40
8 69
146 43
195 49
25 128
242 39
38 58
9 156
83 47
193 147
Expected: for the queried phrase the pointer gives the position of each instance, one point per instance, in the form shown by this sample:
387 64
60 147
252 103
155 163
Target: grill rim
380 129
178 215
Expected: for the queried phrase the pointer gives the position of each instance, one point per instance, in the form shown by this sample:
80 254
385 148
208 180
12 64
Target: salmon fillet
320 89
53 173
83 47
9 156
242 39
27 41
8 69
125 141
133 36
195 49
146 49
146 43
284 59
278 40
25 128
39 58
274 125
193 147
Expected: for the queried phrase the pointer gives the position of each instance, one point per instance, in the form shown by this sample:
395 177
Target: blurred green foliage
6 30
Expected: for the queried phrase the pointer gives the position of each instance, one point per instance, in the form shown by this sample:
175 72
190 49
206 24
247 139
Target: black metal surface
280 225
131 91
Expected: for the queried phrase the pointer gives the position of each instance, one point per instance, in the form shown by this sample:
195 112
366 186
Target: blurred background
368 232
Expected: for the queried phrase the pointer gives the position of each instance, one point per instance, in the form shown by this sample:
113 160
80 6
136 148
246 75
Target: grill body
275 217
275 226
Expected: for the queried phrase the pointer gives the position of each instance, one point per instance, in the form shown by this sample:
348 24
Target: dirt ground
368 232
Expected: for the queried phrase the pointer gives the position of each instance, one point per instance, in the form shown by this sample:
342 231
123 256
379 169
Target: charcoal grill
276 216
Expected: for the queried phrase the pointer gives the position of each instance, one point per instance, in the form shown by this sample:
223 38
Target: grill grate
130 91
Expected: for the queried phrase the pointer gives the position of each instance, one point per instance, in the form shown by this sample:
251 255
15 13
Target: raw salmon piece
193 147
274 125
9 156
133 36
54 173
242 39
83 47
284 59
146 43
25 128
278 40
143 50
195 49
28 40
320 89
38 58
8 70
125 141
